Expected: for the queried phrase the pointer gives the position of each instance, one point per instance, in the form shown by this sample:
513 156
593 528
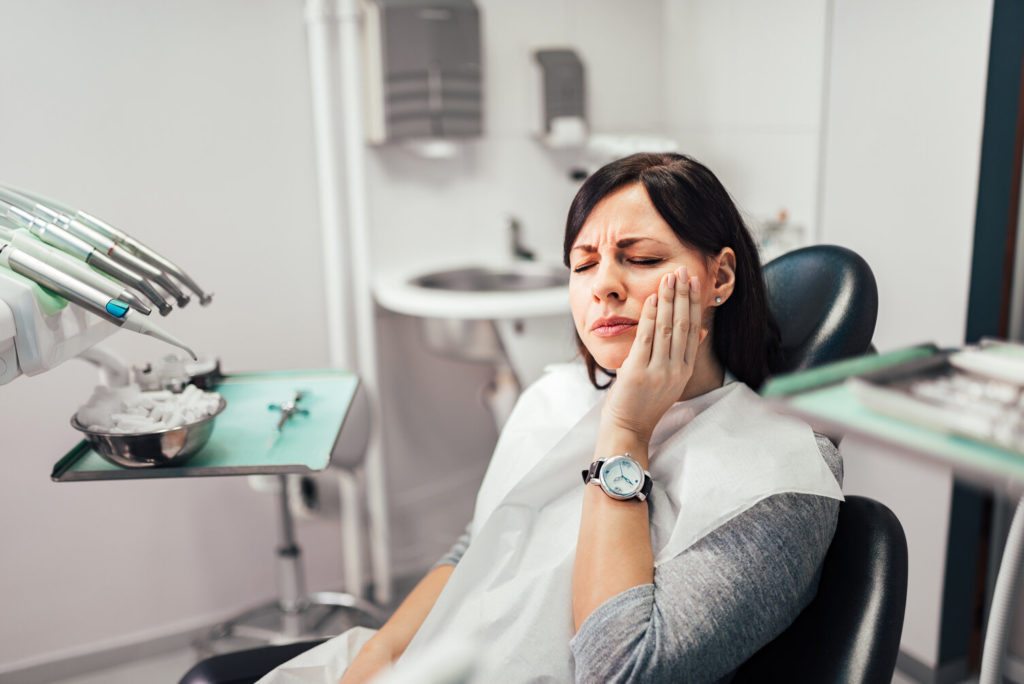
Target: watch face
622 476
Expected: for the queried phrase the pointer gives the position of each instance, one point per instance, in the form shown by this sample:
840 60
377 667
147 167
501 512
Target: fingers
667 310
640 352
681 319
694 334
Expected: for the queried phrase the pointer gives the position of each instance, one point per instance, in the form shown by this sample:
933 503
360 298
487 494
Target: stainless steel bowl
169 447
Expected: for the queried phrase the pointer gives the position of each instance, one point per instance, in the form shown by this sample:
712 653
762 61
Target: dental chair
825 300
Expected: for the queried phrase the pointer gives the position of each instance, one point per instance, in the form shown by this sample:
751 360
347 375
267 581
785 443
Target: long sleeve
454 554
718 602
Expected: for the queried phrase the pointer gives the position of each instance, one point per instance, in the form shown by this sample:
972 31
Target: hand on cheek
661 359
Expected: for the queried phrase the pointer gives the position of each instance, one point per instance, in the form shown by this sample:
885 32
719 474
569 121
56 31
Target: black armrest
244 667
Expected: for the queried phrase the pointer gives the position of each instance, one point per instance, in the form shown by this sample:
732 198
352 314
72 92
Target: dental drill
23 240
104 244
81 250
124 240
83 294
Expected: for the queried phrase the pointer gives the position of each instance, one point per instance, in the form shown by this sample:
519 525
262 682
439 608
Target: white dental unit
68 280
33 341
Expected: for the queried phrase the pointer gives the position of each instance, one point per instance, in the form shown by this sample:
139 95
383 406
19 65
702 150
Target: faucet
519 251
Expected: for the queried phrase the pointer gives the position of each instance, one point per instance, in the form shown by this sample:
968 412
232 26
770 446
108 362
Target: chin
609 356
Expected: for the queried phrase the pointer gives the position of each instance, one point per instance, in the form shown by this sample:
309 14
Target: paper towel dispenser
563 112
424 73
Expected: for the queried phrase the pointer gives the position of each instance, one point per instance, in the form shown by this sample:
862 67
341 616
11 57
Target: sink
513 315
495 279
483 291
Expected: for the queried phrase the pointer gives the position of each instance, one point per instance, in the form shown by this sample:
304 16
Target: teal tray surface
244 440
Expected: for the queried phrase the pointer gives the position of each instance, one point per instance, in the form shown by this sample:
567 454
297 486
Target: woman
705 533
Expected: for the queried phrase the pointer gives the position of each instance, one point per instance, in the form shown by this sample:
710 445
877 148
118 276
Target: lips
612 327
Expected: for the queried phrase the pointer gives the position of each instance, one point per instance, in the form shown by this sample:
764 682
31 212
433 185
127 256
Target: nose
608 282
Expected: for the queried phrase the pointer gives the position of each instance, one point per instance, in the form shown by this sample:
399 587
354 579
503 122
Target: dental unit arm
53 304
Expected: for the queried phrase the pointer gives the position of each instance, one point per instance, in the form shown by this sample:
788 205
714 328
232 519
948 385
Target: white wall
903 148
450 211
188 125
903 143
744 87
900 137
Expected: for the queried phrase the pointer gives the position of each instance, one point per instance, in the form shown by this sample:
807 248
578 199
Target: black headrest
825 300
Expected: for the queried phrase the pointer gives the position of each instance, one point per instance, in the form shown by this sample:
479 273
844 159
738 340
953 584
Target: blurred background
190 125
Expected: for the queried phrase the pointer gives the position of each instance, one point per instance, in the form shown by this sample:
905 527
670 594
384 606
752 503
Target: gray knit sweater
715 604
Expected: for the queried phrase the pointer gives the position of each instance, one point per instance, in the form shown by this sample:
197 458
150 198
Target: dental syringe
95 239
83 251
23 240
83 294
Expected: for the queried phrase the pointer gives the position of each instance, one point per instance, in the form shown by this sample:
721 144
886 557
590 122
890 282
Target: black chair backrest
825 301
851 631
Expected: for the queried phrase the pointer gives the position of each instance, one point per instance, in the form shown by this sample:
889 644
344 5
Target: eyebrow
621 244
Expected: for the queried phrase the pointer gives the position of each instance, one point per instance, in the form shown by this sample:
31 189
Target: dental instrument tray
977 393
246 440
961 406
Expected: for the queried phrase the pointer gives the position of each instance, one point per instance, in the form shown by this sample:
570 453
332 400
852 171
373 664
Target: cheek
646 285
578 301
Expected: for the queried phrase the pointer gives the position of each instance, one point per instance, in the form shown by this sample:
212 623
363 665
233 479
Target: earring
718 300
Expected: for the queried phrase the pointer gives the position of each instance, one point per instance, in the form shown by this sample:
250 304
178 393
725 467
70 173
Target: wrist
612 441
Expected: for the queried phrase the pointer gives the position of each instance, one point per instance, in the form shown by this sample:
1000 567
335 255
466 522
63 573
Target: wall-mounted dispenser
424 70
564 115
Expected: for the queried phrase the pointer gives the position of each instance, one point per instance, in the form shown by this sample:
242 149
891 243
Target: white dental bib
711 458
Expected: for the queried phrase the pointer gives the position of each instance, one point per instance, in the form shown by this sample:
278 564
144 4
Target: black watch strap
591 472
648 485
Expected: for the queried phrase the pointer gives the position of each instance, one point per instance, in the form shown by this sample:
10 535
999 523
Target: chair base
275 624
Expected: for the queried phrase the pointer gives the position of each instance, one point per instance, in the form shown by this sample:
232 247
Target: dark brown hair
702 215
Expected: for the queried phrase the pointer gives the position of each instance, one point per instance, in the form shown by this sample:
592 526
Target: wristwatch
621 477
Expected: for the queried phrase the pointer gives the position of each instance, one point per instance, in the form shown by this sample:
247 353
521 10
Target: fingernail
682 272
653 299
671 280
695 284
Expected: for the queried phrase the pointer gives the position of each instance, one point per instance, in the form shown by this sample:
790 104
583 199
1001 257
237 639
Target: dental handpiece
103 244
83 251
83 294
145 253
22 239
123 239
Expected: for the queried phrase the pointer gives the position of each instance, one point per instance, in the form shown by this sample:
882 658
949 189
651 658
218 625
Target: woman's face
617 261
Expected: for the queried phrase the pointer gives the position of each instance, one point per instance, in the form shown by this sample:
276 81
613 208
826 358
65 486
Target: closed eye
636 261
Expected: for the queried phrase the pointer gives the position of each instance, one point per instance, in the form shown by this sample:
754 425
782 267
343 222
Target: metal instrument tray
244 440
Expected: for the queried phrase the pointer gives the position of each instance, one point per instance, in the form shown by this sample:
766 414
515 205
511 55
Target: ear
723 276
